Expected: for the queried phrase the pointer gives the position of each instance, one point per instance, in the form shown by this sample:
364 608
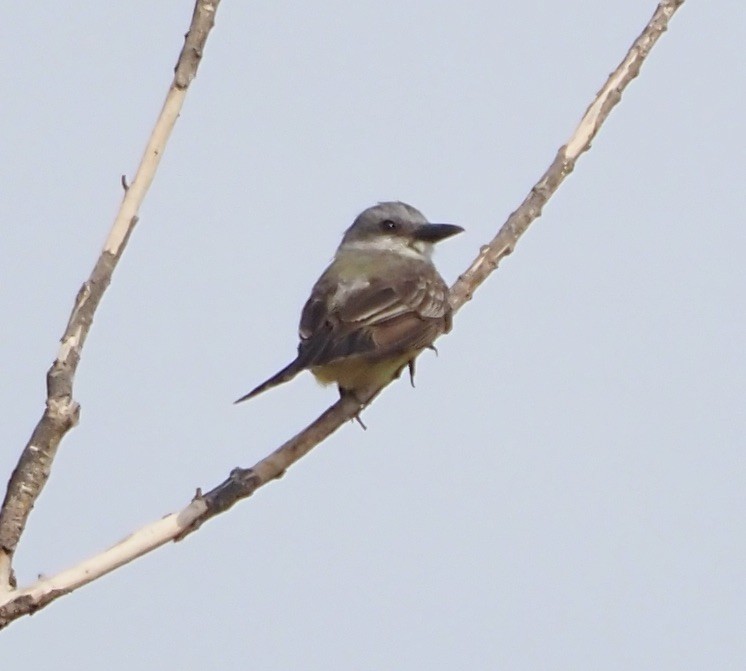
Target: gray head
397 227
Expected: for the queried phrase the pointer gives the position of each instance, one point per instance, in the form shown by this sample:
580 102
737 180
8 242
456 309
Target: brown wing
378 319
385 317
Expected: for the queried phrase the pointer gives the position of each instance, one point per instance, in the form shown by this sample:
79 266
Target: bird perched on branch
376 307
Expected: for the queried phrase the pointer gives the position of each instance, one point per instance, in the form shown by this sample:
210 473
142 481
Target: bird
376 307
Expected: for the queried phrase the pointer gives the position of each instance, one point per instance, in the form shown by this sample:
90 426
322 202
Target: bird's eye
388 225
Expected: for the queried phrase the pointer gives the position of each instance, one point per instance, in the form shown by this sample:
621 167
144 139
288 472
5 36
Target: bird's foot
350 393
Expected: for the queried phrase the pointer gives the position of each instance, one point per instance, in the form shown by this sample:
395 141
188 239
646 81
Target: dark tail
285 375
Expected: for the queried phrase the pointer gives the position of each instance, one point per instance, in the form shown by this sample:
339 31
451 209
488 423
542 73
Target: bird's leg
410 366
350 393
433 348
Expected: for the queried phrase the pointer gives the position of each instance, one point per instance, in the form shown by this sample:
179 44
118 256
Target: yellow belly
356 373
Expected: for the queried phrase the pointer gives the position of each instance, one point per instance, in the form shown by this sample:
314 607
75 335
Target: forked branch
243 482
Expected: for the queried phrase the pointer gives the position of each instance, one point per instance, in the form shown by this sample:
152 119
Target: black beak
436 232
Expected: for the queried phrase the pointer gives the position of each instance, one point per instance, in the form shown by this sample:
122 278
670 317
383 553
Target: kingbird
376 307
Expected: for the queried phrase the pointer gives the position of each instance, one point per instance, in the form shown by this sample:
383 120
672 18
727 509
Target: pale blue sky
563 490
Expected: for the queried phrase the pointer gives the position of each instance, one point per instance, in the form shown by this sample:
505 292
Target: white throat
417 249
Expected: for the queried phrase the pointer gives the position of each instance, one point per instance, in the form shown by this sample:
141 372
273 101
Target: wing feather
378 319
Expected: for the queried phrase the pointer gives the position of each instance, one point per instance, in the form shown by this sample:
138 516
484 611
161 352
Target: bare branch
148 538
243 482
62 411
564 162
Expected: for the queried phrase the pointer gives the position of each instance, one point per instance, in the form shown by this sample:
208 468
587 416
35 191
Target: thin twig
62 411
243 482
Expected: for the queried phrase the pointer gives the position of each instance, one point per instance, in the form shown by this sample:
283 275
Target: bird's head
395 227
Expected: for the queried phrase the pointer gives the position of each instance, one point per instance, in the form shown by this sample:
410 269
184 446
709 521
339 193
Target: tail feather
285 375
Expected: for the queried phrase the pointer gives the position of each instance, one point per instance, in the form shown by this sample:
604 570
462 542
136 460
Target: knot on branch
63 411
